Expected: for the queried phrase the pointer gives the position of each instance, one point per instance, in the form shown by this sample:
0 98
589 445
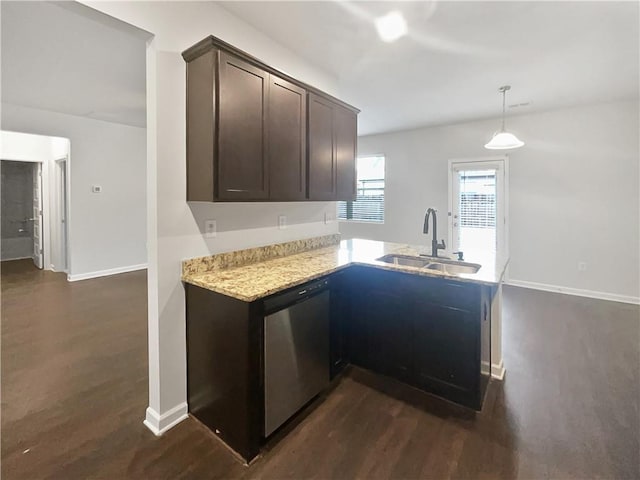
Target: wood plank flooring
74 392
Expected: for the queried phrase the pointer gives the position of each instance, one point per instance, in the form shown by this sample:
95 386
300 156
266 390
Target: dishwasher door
296 357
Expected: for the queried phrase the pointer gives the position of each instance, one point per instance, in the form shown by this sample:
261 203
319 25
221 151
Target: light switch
210 229
282 222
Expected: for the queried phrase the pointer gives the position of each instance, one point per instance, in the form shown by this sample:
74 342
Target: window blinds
369 203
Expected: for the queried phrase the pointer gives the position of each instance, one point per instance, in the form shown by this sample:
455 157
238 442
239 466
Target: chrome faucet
435 246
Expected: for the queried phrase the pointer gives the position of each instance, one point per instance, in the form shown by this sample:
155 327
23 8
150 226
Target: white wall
573 192
175 226
23 147
107 230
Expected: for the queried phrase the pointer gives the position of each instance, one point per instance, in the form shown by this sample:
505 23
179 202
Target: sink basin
442 265
405 260
453 267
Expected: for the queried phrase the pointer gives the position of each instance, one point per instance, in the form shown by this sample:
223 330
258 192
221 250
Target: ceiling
448 69
68 58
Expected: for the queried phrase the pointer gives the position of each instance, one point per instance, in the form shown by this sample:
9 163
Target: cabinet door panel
340 321
287 140
322 167
201 127
446 346
242 158
383 319
389 341
346 126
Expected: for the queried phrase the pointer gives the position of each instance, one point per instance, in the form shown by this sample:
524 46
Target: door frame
60 215
38 214
500 160
45 197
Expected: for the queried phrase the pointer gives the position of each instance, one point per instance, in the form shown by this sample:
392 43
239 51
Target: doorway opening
35 207
20 211
478 205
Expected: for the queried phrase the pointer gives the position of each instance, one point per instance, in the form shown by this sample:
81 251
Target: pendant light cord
503 109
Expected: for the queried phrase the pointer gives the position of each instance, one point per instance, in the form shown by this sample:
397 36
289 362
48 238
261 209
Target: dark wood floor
74 392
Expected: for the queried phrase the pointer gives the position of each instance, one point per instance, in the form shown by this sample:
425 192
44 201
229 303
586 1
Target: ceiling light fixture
391 27
503 140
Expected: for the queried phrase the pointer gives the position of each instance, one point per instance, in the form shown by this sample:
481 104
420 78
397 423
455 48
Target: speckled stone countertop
252 274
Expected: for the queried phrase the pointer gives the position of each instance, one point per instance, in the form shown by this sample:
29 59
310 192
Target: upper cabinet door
322 164
201 127
242 166
346 135
287 140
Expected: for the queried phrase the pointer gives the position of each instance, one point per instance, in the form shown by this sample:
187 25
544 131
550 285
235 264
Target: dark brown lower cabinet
446 352
431 333
428 332
386 323
339 322
224 373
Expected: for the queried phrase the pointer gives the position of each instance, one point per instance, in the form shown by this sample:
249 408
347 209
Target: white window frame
498 162
368 222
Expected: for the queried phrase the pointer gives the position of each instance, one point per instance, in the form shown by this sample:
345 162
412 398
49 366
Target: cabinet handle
235 190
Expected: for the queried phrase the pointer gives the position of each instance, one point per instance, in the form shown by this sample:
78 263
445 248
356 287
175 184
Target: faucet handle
442 245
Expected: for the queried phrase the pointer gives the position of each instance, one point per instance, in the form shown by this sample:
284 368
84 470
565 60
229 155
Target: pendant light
503 140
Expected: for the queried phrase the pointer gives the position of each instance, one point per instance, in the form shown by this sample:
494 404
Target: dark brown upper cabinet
287 140
243 162
322 164
252 134
346 134
332 150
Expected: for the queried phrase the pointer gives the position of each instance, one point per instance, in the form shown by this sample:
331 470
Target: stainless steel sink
404 260
453 267
441 265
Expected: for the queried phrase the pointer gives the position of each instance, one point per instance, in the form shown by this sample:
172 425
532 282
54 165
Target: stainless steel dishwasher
296 351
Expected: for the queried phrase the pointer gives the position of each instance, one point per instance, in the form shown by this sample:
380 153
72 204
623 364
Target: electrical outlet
96 188
282 222
210 229
582 266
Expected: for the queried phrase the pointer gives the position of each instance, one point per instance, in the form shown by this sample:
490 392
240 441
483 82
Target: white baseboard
15 258
104 273
498 371
159 424
575 291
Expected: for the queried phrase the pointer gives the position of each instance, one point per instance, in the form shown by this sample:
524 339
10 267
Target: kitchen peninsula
312 307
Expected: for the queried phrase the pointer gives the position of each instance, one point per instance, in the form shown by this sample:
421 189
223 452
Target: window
369 203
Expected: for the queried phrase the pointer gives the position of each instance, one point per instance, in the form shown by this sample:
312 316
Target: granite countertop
258 275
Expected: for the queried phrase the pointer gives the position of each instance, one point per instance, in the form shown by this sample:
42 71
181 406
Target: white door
38 259
477 206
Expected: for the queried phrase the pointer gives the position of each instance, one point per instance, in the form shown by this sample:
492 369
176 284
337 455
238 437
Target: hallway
74 385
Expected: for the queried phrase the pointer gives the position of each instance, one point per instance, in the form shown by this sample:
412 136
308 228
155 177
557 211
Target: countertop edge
193 280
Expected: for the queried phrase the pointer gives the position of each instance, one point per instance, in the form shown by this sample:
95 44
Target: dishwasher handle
283 300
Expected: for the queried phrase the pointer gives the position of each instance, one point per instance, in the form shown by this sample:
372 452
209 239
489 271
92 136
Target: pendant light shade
503 140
